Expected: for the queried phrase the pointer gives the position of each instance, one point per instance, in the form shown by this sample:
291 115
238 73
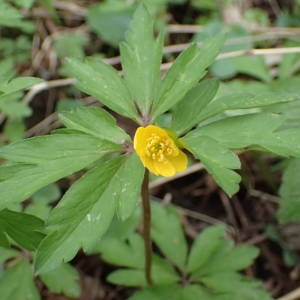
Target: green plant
198 273
92 140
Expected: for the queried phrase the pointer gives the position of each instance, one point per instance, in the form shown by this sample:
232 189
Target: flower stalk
147 228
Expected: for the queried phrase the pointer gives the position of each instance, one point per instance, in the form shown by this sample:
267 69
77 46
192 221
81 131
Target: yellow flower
158 151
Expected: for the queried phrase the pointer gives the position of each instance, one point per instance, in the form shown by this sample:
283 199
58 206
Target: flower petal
158 151
179 162
165 168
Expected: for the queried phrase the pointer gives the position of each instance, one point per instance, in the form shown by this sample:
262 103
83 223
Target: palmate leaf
110 20
63 279
233 286
174 292
217 159
17 84
189 67
23 228
94 121
168 235
257 131
204 246
162 272
94 197
42 160
128 254
245 100
254 130
17 283
186 112
7 253
141 57
102 81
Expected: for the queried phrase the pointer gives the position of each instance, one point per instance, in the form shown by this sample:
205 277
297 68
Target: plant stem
147 227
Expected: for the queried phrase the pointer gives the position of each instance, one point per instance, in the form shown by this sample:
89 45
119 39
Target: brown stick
147 228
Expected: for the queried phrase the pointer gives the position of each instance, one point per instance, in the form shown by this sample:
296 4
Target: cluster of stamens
158 147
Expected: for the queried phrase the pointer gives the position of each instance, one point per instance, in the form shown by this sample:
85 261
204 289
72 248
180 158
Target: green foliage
98 212
110 20
192 105
11 17
41 160
205 270
218 160
95 122
103 82
70 45
17 282
10 96
105 188
63 279
167 233
141 57
186 71
290 193
203 247
22 228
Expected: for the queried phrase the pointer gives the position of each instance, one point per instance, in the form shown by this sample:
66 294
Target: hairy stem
147 227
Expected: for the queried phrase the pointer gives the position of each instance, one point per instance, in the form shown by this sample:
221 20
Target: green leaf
237 258
121 253
162 274
158 293
193 291
24 229
253 130
6 254
186 71
127 277
17 283
289 210
48 194
174 292
39 209
245 100
40 205
233 286
11 17
141 57
95 197
285 142
110 20
204 246
289 63
45 159
18 84
240 131
70 45
24 3
12 107
94 121
192 104
168 235
217 159
4 242
14 129
102 81
42 149
63 280
128 182
122 229
254 66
